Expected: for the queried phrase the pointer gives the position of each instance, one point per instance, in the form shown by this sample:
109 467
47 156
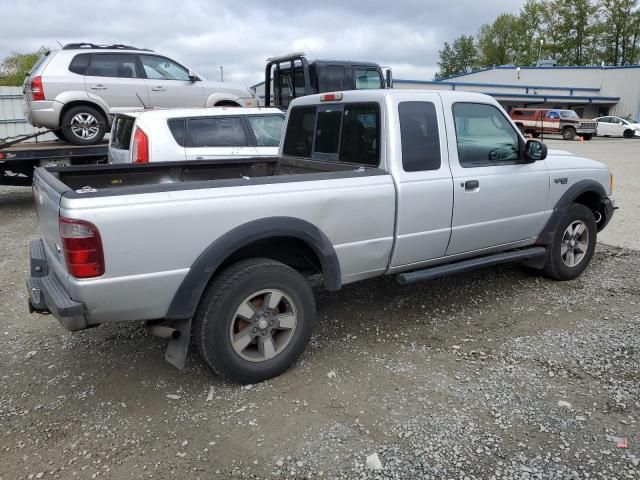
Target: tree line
571 32
14 67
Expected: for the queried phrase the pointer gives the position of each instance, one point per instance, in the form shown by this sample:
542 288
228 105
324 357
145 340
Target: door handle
158 89
98 87
471 185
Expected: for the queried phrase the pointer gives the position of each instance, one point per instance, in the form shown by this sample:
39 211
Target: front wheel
254 320
569 133
573 244
628 134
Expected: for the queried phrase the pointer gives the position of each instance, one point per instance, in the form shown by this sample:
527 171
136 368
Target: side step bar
468 265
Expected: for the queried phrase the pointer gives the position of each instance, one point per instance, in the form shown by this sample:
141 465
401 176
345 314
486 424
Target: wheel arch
292 241
86 103
586 192
223 99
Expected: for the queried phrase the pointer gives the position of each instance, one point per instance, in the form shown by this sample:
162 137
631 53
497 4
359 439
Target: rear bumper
44 113
48 295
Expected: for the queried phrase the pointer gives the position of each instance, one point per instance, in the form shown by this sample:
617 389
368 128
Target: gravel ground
494 374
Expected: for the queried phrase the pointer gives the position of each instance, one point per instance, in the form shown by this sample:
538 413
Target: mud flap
178 348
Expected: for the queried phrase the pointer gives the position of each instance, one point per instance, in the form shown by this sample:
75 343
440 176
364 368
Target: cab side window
119 65
161 68
484 136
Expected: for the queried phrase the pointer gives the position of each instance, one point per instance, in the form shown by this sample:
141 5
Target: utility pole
221 74
540 49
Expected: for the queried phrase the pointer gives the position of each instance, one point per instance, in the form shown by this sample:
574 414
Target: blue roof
562 67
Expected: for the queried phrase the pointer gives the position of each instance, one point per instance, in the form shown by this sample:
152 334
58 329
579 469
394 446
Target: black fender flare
574 191
186 300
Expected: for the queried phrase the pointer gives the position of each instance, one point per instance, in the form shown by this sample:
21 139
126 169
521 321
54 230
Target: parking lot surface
494 374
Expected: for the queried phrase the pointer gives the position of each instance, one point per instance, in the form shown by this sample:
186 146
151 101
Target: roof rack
115 46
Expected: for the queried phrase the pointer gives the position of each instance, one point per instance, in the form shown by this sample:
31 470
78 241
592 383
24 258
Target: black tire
569 133
70 116
535 134
216 318
587 136
555 267
628 134
60 135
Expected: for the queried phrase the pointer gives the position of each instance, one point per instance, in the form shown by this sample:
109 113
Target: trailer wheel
83 125
254 320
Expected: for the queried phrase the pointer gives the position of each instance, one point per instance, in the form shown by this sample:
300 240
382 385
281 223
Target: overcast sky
241 34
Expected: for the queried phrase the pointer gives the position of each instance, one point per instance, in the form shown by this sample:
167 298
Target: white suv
169 135
76 90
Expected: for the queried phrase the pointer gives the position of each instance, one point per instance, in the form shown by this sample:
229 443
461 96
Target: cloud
403 34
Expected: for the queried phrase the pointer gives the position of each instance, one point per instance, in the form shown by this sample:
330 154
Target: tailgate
47 202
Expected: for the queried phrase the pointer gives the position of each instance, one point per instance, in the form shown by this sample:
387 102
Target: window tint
484 135
216 132
298 139
419 136
177 128
121 132
161 68
352 130
367 78
267 129
328 130
79 63
359 141
336 78
112 65
553 114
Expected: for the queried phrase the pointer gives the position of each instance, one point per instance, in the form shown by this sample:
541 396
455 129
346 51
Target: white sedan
618 127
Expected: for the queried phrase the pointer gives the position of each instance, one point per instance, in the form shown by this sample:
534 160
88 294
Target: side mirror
193 77
535 150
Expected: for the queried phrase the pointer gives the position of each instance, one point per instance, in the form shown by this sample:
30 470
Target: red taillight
140 151
82 248
331 97
37 90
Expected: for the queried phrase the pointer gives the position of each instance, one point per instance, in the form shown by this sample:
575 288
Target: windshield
631 120
569 114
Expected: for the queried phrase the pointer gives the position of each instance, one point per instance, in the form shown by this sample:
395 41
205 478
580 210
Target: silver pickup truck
415 184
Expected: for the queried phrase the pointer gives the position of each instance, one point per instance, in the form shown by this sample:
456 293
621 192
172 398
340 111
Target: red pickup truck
568 123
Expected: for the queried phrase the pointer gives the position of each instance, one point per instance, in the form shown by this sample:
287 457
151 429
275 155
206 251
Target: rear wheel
628 134
573 245
254 320
569 133
58 133
83 125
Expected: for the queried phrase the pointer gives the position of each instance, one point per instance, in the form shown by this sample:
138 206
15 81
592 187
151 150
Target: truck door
423 180
499 199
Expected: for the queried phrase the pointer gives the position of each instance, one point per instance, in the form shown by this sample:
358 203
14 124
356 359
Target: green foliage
572 32
14 67
461 57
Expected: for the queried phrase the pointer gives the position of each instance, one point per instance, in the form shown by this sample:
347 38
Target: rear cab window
121 132
367 78
345 133
419 136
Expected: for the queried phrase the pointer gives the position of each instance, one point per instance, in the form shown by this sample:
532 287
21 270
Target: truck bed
107 180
